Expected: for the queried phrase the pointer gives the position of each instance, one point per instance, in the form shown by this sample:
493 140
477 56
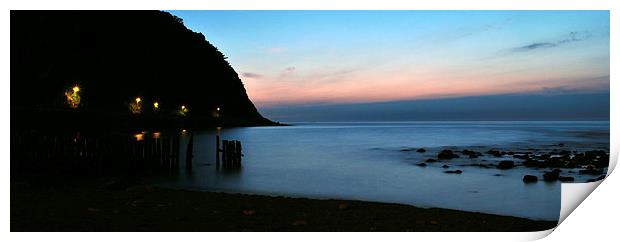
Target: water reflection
363 161
139 137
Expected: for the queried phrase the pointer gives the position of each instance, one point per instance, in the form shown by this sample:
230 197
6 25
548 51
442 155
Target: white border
593 220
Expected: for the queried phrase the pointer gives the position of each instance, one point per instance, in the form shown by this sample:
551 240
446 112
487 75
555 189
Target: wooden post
238 153
158 147
146 144
175 151
226 153
165 152
231 153
234 151
190 152
223 153
217 150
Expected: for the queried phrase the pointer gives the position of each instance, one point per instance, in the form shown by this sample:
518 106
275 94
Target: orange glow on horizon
372 87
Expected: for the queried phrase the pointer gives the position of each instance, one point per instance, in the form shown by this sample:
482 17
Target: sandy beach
112 204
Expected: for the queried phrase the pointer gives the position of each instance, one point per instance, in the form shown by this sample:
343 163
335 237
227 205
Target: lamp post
217 137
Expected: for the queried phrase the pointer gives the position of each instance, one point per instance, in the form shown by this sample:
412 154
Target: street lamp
136 107
73 97
183 111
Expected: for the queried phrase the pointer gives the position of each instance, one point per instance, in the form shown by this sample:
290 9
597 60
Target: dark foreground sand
117 205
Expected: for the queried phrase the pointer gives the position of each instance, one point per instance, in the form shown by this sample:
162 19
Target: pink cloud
373 87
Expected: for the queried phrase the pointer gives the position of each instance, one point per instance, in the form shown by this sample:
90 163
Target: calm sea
373 162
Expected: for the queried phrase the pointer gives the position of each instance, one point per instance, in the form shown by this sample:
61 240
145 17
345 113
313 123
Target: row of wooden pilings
111 153
98 153
230 153
161 152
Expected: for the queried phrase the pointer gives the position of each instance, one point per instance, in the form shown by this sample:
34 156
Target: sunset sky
329 57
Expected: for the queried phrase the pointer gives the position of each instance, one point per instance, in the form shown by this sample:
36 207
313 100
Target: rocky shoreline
554 163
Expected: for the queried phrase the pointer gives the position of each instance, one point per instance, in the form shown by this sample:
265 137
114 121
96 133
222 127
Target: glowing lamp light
139 137
73 98
156 107
136 107
183 111
216 114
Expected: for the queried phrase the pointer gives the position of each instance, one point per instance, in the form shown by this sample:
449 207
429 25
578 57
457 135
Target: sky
307 58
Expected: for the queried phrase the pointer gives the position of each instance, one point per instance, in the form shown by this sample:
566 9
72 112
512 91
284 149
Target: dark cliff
115 57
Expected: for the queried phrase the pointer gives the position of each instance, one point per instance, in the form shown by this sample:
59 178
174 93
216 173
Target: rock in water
471 154
494 153
421 164
481 165
454 172
523 157
552 175
421 150
531 163
591 170
506 164
446 155
530 179
566 178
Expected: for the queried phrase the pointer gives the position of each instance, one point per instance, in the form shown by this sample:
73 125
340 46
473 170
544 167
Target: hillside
115 57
